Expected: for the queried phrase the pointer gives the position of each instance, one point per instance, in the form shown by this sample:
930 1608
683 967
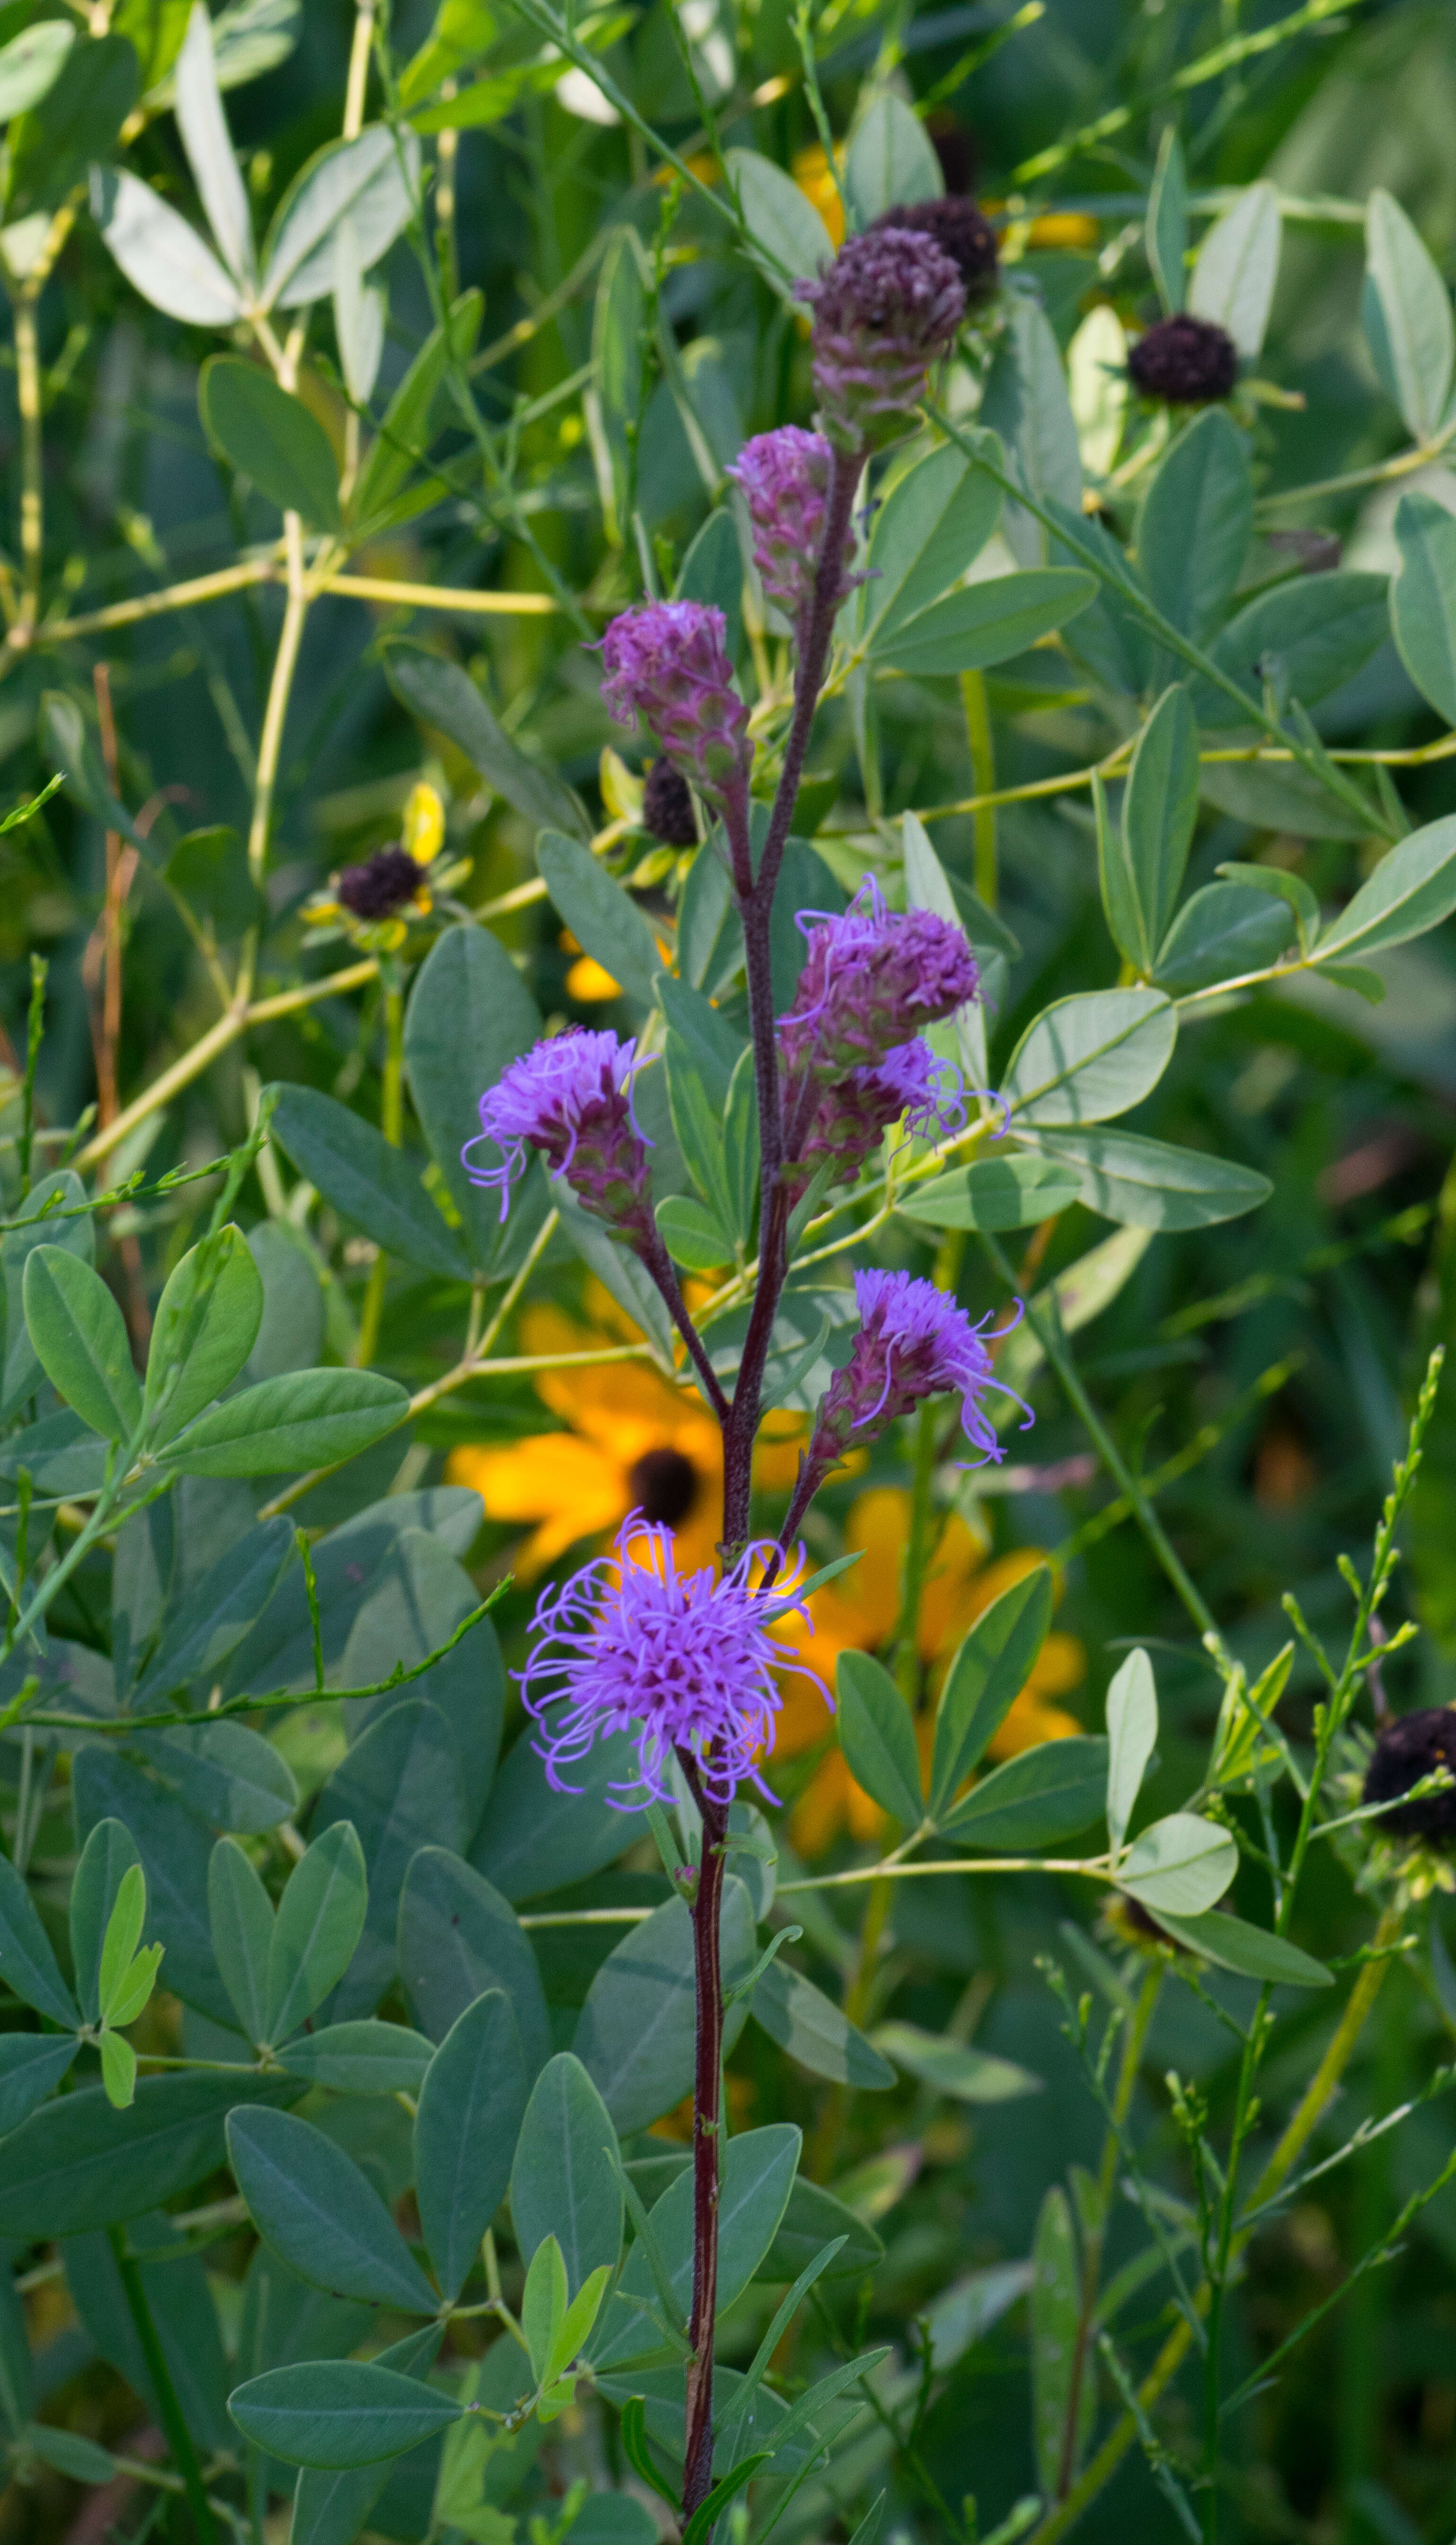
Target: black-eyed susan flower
374 902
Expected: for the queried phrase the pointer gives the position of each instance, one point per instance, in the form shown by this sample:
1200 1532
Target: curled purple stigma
570 1097
854 1113
683 1661
872 978
912 1342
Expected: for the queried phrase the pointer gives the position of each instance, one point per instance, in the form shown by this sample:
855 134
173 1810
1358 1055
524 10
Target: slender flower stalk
684 1663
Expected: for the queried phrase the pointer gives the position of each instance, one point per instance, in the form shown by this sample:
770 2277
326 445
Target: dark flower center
667 807
1408 1750
378 886
1185 360
957 226
664 1486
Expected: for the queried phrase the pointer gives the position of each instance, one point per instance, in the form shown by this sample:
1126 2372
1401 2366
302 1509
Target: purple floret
887 307
683 1661
912 1342
784 480
570 1097
872 978
854 1112
668 664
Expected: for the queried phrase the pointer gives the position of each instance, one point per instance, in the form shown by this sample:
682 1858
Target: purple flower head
912 1342
870 979
890 304
854 1112
667 663
683 1661
784 481
570 1097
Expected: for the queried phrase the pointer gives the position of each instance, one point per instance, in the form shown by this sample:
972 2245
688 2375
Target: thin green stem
1049 1333
391 1122
173 2419
977 705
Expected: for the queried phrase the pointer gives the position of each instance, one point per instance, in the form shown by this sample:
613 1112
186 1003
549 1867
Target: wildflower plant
476 2010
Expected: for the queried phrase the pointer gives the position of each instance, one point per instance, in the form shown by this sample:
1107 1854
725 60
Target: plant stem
391 1122
173 2419
979 735
31 496
707 2097
1095 2236
285 663
1049 1335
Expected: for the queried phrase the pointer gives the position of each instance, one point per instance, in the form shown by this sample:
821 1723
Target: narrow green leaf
603 919
471 2106
313 1418
439 692
26 1963
375 1185
109 1852
988 1673
320 1919
1407 313
1237 267
1166 228
814 2031
80 1337
123 1935
1018 1191
953 2067
543 2304
241 1918
563 2182
270 438
1422 599
207 1324
1035 1800
1056 2302
1251 1950
1182 1863
338 2413
315 2207
1159 812
1132 1733
118 2070
878 1738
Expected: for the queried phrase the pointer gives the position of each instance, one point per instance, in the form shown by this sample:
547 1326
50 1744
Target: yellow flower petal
571 1488
588 981
422 829
811 175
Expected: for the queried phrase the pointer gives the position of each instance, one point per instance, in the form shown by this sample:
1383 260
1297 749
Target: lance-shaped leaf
80 1337
161 254
26 1963
1132 1731
987 1676
336 2413
471 2107
207 1324
326 2219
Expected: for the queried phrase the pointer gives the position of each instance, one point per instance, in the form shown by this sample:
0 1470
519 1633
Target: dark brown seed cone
667 807
664 1485
1185 361
960 230
386 881
1408 1749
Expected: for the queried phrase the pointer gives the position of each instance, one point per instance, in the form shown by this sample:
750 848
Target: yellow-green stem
391 1122
32 484
979 735
1286 2155
285 663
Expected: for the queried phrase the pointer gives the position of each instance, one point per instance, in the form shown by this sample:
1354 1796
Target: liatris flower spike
668 664
912 1342
870 979
682 1661
569 1096
961 229
783 477
854 1112
887 307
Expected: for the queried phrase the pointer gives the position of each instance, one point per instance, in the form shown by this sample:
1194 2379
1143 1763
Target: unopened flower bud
886 309
784 481
1185 361
569 1096
667 663
872 978
961 229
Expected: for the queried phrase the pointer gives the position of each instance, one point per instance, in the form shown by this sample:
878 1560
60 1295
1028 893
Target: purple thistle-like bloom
784 481
667 663
872 978
912 1342
854 1113
684 1661
890 304
570 1097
